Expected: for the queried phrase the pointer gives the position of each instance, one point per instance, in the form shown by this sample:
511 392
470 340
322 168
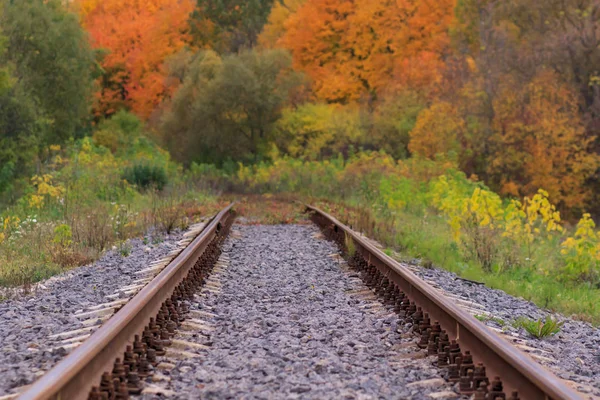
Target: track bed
290 321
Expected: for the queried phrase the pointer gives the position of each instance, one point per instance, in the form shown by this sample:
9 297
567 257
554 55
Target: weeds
487 318
349 244
92 227
540 328
125 249
78 206
167 211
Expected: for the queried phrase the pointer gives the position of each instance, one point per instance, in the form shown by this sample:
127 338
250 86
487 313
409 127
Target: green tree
229 25
226 107
392 122
53 63
46 68
5 78
17 122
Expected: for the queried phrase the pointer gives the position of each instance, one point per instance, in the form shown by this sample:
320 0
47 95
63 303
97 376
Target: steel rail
73 377
517 371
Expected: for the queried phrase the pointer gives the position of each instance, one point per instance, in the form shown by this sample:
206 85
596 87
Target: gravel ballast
290 320
572 354
26 322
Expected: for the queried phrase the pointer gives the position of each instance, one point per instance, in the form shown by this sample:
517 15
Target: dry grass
92 227
269 210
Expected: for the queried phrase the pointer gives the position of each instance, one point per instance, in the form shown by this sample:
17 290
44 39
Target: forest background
462 133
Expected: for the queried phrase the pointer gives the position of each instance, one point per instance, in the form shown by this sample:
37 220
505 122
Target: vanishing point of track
482 363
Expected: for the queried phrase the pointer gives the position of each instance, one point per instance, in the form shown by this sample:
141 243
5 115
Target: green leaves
146 176
227 106
45 83
540 328
52 61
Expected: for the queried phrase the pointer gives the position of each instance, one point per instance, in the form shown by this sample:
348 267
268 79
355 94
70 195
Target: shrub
91 227
581 253
106 138
63 235
168 211
540 328
146 176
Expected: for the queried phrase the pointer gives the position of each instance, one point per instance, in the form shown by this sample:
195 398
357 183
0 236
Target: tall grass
79 206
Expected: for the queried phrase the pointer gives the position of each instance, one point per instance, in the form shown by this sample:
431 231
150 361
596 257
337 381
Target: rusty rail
75 375
517 371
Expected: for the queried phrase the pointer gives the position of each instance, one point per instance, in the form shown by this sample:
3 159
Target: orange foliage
274 29
357 48
139 36
438 130
314 35
540 141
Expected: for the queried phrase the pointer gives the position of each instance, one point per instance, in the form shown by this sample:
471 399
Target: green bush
146 176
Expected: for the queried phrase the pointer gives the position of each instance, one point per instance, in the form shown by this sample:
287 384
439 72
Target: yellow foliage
533 219
9 225
581 252
36 201
319 130
540 141
11 222
480 220
481 209
438 130
44 189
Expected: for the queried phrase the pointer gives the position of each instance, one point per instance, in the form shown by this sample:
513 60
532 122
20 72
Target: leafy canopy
227 106
46 83
229 25
137 36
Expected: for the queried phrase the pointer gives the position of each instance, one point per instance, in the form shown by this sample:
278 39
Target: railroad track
446 330
113 361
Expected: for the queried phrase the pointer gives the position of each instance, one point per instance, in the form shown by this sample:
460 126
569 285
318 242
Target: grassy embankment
92 195
98 192
430 211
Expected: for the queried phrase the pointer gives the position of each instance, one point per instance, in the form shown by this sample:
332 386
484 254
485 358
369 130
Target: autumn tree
540 141
275 28
438 130
354 49
138 36
229 25
315 37
227 106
